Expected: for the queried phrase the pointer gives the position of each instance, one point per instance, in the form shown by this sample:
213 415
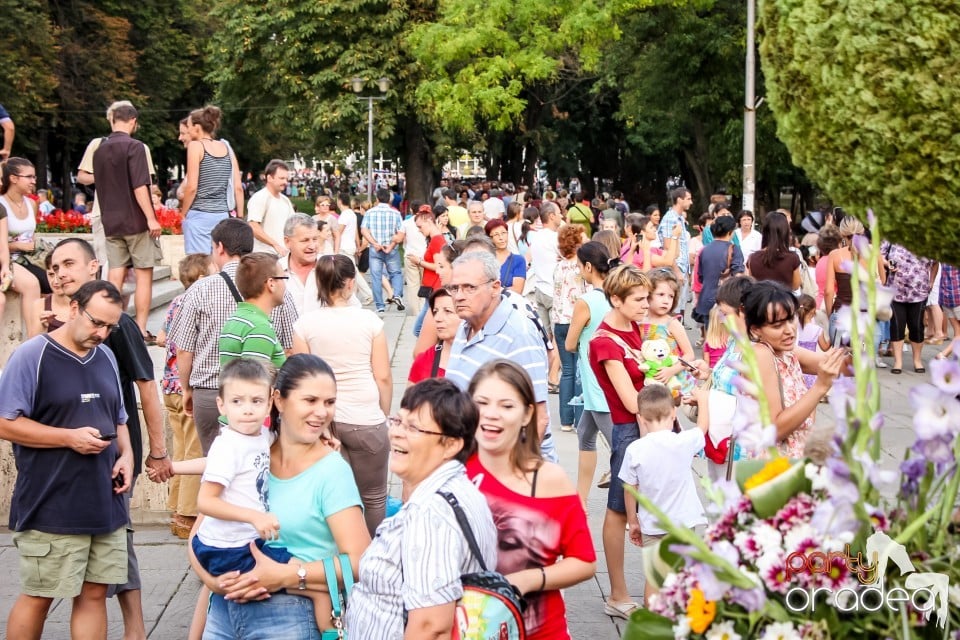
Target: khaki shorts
952 312
54 565
139 251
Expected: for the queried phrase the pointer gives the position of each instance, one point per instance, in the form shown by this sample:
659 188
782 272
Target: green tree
865 98
29 59
284 69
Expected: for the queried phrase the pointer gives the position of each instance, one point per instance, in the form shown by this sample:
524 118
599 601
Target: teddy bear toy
656 357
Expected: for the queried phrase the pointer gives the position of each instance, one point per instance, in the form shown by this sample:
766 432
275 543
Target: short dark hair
125 113
678 194
85 246
192 267
235 235
296 369
85 293
732 290
767 302
650 209
452 410
442 292
247 370
384 195
722 226
275 165
253 272
449 193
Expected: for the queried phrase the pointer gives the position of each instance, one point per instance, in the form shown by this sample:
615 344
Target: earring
523 435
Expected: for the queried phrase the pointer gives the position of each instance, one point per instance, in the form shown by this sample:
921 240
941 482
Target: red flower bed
72 221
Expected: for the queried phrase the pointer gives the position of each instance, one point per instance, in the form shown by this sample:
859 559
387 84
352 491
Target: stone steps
165 289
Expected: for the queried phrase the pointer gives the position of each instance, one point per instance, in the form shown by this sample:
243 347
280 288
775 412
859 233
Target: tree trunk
419 168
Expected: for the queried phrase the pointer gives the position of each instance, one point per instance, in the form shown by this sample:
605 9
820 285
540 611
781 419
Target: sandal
896 371
920 369
149 339
620 610
553 389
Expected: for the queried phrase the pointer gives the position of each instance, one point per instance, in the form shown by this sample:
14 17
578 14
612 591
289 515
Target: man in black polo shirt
62 408
74 264
126 211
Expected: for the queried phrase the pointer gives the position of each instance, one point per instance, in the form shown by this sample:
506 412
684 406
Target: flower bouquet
808 548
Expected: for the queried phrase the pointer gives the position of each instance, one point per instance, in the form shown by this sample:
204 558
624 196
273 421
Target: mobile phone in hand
108 436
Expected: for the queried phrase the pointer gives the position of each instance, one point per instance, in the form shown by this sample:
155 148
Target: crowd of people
278 390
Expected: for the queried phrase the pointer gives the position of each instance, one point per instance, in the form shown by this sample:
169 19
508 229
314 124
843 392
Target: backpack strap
233 288
628 351
465 527
435 367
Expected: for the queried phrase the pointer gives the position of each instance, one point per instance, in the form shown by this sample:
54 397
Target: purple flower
946 375
835 518
843 399
712 587
750 599
936 413
912 469
936 450
861 244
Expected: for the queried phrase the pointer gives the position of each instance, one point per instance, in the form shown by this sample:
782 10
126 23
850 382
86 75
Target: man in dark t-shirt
74 263
126 210
61 407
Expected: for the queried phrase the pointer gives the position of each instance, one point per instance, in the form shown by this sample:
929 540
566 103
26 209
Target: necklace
21 206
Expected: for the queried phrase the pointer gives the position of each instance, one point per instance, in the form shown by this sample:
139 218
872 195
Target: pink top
712 354
821 277
792 388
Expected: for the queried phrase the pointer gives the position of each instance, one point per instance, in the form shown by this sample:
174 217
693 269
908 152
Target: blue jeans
197 227
623 436
281 616
569 380
218 561
418 323
392 261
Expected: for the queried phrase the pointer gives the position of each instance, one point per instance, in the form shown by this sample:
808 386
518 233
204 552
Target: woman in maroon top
543 541
432 363
614 359
775 261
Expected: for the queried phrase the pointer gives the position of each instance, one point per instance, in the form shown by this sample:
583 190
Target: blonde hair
850 227
717 335
624 279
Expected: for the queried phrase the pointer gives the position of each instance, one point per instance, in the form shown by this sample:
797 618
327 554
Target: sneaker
397 301
566 427
880 364
381 311
604 482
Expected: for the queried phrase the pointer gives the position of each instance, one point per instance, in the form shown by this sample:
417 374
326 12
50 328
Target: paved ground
170 588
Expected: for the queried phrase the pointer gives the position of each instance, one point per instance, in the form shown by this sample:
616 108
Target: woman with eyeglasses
18 222
409 579
543 541
352 341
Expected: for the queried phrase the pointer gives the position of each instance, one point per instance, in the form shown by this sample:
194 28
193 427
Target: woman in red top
544 542
432 363
615 359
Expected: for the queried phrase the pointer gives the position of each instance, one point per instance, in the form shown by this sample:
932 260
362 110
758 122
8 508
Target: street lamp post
383 84
750 115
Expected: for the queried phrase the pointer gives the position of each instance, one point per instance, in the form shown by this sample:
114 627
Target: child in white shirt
658 465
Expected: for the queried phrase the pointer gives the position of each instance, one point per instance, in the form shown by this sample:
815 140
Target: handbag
37 257
338 598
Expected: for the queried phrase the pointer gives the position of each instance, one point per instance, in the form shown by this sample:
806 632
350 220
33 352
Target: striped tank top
212 185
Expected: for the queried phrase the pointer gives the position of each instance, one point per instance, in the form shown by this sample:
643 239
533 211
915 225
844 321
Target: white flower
799 534
780 631
817 476
722 631
768 538
681 630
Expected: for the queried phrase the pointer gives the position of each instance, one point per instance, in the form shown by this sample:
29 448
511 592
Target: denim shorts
623 436
281 616
218 560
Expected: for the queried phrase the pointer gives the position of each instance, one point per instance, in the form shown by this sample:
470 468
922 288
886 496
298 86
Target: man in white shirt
414 246
349 243
544 256
268 210
493 207
302 242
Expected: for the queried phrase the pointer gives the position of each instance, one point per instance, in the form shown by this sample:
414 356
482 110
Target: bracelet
543 579
163 457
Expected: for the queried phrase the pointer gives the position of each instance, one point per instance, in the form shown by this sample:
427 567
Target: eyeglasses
467 289
100 324
33 177
394 422
279 278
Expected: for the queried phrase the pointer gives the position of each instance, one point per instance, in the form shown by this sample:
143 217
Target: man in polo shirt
126 210
207 306
74 264
494 328
249 333
62 408
381 227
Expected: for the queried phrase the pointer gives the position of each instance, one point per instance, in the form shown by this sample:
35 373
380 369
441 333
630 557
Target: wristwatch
302 577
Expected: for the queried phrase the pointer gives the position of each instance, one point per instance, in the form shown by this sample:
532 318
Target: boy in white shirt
658 465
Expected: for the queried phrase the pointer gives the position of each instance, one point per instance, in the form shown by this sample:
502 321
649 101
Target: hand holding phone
106 437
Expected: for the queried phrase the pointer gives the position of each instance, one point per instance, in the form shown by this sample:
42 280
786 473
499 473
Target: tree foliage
865 97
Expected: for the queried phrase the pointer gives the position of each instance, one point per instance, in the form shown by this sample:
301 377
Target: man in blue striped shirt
494 328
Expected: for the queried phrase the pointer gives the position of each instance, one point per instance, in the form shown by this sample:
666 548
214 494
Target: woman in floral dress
770 317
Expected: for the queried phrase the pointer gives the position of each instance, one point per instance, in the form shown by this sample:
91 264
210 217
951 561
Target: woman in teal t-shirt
313 494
